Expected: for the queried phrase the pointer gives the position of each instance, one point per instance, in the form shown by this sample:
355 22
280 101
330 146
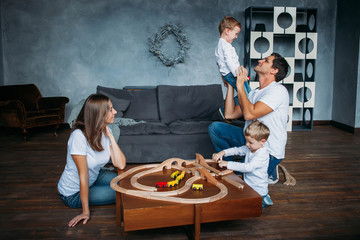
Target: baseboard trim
64 126
315 123
345 127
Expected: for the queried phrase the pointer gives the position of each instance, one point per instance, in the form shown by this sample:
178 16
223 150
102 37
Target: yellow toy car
174 174
173 183
196 186
181 176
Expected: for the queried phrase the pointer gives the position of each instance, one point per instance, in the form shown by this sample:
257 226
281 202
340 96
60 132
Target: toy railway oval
150 192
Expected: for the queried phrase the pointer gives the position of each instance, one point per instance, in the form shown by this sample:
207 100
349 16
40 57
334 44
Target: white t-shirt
276 97
254 167
226 58
69 182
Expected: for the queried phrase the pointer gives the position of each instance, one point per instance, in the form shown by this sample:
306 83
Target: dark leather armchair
22 106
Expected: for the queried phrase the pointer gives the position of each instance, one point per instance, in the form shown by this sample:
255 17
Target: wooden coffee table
135 213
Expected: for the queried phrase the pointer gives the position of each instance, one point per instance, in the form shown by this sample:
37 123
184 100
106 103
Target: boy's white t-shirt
69 182
276 97
254 168
226 58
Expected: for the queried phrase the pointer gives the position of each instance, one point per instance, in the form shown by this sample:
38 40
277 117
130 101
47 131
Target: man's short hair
257 130
228 22
281 65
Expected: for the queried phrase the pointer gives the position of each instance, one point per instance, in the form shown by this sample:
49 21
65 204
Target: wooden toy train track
199 170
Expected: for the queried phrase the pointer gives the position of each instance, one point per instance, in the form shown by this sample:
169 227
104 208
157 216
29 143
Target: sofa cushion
188 102
144 129
189 127
143 105
119 104
157 148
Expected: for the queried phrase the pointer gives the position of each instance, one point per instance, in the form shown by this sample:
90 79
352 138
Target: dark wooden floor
324 204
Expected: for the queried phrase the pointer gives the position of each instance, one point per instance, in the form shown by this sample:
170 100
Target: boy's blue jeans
224 136
232 81
100 193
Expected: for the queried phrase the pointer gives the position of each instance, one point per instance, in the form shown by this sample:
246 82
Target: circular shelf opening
304 94
306 45
261 45
284 20
311 23
307 116
309 70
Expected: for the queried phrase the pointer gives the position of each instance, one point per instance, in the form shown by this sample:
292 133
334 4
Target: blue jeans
224 136
100 193
272 167
229 78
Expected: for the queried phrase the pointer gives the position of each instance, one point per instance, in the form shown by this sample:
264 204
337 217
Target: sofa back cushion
188 102
143 105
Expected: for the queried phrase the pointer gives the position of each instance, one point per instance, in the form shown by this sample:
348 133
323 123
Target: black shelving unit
291 32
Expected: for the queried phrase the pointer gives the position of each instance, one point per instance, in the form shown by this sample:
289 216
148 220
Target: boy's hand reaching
217 157
223 164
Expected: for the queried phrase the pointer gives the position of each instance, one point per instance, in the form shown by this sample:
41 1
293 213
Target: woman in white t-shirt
90 147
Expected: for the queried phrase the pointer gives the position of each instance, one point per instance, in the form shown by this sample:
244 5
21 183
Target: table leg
197 209
118 209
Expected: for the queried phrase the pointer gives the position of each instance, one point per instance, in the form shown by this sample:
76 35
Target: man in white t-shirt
269 104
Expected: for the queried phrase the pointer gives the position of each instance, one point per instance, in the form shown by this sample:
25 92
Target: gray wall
346 72
357 117
2 82
68 47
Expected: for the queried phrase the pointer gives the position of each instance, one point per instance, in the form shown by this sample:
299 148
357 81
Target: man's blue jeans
224 135
100 193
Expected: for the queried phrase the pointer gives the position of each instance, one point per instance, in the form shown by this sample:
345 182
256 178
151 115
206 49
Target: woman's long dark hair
91 119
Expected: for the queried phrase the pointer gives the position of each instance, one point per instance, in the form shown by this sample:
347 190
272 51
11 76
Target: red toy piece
161 184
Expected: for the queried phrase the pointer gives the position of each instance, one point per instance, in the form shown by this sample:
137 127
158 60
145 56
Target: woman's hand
81 165
107 131
117 156
78 218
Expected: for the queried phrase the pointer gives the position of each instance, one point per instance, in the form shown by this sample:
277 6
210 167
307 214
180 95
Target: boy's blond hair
257 130
228 22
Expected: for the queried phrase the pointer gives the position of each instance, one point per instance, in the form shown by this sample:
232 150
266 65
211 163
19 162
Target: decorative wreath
181 38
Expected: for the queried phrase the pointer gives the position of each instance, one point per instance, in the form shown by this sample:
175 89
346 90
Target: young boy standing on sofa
226 57
255 165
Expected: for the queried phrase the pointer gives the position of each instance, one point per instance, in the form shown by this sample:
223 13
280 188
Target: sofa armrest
12 113
52 102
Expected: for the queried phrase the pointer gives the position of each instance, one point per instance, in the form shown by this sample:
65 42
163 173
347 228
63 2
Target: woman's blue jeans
100 193
224 136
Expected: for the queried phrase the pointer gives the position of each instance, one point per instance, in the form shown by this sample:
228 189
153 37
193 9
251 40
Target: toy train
177 178
197 186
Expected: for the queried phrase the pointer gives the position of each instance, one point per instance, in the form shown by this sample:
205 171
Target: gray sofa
166 121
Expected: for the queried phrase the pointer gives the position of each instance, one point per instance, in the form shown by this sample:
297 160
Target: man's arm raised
250 111
230 110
